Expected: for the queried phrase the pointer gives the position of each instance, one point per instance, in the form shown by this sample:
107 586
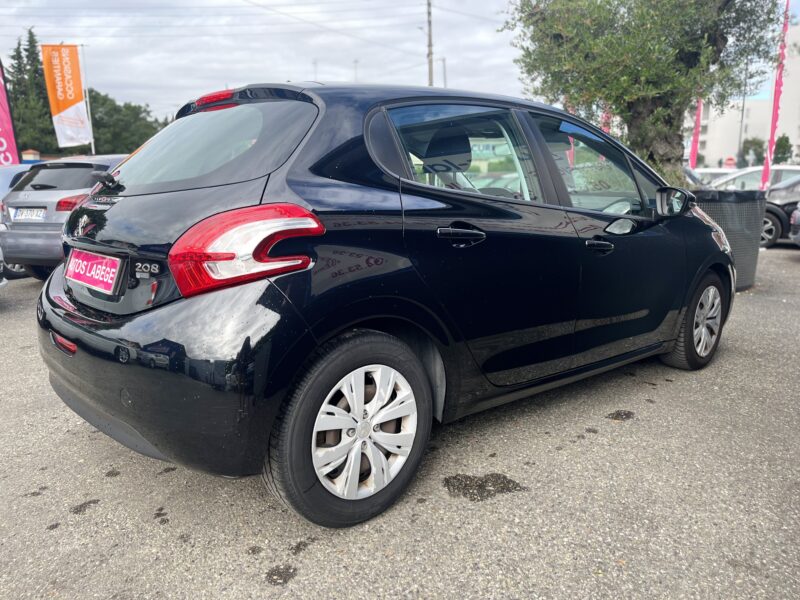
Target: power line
215 26
178 8
330 29
467 14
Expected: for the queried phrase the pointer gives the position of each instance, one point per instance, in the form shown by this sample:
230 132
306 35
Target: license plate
93 270
29 214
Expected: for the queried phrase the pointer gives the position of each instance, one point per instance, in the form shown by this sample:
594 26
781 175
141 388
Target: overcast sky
167 53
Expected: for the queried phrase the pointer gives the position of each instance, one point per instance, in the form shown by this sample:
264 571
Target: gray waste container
740 214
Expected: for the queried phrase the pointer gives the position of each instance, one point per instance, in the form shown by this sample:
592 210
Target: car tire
771 230
300 443
695 347
14 271
38 272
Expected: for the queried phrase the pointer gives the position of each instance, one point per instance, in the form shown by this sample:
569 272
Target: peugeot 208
296 281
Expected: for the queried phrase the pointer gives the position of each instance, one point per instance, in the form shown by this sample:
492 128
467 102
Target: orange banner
62 75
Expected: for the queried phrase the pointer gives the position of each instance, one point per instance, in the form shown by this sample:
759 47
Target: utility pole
355 70
444 71
430 46
86 92
314 62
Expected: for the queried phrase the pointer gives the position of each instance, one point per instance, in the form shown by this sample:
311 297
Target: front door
484 232
633 265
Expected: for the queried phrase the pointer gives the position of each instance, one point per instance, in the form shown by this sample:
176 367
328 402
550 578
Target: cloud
165 55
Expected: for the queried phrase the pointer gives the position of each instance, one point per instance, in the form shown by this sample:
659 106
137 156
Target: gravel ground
693 492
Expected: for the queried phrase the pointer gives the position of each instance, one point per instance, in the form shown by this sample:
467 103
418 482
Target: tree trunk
655 133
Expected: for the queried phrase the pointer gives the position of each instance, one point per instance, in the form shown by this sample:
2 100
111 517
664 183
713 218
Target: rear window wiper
43 186
106 179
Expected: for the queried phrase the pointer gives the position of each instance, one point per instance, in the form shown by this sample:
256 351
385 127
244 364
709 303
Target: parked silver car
38 205
9 176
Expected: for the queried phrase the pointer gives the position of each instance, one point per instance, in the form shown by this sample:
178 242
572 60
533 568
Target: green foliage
502 165
783 150
118 128
645 61
28 97
754 144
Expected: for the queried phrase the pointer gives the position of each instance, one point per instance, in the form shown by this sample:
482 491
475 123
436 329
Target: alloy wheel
19 269
707 321
364 432
767 231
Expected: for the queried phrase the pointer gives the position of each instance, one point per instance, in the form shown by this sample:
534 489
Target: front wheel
352 434
701 329
771 230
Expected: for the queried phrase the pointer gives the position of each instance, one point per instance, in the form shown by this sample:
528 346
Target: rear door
483 229
632 264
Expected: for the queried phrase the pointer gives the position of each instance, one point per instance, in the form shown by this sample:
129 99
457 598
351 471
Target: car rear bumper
186 382
32 246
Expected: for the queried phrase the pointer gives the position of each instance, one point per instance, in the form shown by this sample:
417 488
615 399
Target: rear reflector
233 247
214 97
70 202
63 343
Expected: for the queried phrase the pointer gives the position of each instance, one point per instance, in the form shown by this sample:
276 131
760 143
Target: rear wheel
38 272
14 271
352 434
771 230
702 326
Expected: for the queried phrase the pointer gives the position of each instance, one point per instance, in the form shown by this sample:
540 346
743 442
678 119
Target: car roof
334 92
384 93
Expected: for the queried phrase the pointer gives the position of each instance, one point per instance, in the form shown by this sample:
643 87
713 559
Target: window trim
558 182
550 198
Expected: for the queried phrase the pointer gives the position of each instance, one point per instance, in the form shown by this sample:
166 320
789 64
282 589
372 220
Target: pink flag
8 145
776 101
698 115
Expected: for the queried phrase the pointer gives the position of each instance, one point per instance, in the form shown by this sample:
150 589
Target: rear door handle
461 236
601 246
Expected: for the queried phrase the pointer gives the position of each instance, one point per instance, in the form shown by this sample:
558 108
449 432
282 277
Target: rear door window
218 147
71 176
472 149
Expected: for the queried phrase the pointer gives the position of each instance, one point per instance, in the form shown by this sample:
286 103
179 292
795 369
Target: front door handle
461 237
601 246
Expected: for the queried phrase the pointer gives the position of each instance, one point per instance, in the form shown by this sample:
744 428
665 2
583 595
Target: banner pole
86 92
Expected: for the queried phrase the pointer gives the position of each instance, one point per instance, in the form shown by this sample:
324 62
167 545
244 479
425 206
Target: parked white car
750 178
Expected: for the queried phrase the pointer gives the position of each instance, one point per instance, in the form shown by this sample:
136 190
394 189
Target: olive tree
645 61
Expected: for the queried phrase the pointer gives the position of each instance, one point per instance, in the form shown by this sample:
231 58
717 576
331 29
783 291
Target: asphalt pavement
645 482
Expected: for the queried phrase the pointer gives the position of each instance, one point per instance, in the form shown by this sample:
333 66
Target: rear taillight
795 218
233 247
63 343
70 202
213 97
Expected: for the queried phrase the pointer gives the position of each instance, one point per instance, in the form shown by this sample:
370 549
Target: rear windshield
75 176
218 147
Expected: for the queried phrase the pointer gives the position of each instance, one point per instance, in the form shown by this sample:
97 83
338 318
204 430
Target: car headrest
449 150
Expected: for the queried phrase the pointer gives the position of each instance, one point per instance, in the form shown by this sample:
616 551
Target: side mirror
672 201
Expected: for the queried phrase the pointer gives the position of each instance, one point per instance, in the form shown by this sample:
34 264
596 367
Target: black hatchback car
296 281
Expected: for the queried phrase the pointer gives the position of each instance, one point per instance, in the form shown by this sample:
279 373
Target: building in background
719 130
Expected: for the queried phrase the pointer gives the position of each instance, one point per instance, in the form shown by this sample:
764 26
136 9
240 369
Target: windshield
217 147
75 176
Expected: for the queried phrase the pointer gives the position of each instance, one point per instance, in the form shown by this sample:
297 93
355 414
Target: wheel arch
781 215
422 344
